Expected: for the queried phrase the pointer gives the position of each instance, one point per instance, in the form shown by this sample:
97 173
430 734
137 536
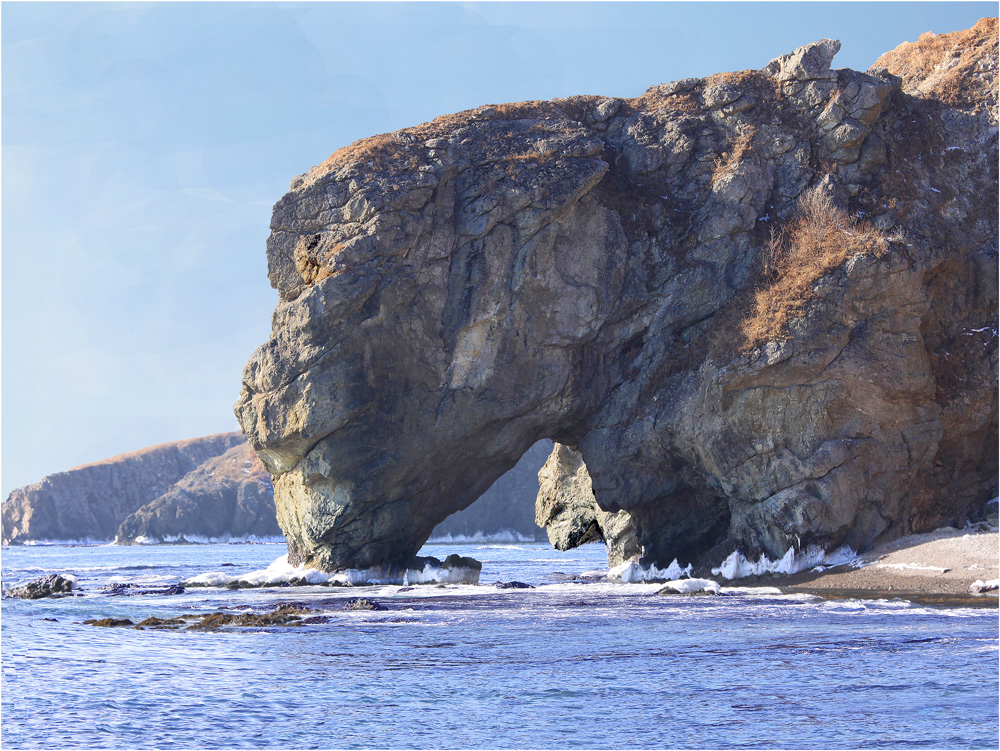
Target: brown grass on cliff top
403 149
818 241
959 67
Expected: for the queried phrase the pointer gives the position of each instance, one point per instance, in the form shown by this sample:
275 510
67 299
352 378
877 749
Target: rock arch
581 269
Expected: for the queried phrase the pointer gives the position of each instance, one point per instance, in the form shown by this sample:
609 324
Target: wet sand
936 568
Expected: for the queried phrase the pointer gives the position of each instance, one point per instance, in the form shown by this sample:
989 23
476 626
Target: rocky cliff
188 492
228 496
90 502
761 306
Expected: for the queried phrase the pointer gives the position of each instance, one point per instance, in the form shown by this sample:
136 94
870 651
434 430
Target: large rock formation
89 502
568 511
760 305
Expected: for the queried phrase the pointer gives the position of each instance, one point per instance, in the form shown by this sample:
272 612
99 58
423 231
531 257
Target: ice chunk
631 572
277 573
736 566
979 586
689 586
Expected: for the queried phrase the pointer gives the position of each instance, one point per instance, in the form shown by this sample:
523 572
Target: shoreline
934 568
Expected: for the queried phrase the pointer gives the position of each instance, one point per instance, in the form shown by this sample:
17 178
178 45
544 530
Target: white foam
504 535
689 586
282 571
360 577
204 540
86 541
277 573
631 572
736 566
437 575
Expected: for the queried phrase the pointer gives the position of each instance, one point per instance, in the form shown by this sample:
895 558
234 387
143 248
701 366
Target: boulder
52 585
568 511
762 327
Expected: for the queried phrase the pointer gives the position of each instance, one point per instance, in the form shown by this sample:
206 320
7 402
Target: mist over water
575 662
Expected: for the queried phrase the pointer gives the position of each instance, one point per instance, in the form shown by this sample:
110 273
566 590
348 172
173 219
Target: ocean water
575 662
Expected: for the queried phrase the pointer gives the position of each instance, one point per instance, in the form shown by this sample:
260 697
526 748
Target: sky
142 147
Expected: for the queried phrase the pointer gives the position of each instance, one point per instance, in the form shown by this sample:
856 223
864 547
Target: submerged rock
132 590
363 603
52 585
760 306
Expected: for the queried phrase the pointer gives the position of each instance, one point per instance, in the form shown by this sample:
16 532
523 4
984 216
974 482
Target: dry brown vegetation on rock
954 68
738 150
818 241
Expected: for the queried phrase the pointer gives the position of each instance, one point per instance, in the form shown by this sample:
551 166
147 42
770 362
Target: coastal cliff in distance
215 489
759 306
89 503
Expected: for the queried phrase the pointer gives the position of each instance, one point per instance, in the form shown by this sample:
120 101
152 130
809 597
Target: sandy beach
937 567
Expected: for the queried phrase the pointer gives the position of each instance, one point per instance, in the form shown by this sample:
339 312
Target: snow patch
979 586
689 586
912 566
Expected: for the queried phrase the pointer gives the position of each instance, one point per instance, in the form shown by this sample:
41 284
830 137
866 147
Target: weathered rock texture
603 272
227 496
90 501
52 585
568 511
507 506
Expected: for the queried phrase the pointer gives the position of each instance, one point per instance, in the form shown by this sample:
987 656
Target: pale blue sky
143 146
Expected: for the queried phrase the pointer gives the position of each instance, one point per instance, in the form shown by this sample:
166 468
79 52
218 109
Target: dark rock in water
363 603
315 620
153 622
109 622
460 561
761 306
91 501
512 585
52 585
54 620
132 590
282 614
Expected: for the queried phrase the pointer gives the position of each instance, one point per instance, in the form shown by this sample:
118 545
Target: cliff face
761 307
89 502
229 495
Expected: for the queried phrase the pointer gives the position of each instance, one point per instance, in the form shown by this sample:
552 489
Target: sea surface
574 662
